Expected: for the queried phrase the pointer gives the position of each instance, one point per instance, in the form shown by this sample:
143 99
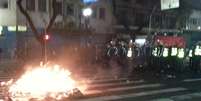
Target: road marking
147 93
155 92
180 97
196 94
187 96
192 80
90 92
91 81
120 83
163 99
106 80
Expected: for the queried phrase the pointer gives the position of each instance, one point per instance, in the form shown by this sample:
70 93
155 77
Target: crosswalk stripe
168 90
106 80
112 84
192 80
187 96
180 97
163 99
133 95
121 89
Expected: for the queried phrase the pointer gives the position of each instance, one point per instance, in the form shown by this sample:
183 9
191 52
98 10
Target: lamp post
150 23
87 12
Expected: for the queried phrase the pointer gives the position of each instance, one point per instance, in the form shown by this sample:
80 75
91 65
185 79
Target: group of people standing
175 59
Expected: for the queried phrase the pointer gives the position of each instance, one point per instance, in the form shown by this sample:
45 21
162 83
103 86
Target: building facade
14 28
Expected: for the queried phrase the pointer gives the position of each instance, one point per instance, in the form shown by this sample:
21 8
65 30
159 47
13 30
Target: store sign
170 41
89 1
169 4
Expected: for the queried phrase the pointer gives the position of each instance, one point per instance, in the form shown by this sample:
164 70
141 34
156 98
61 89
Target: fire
42 82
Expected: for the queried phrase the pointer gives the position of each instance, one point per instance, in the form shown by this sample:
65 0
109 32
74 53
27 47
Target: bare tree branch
31 24
54 16
24 12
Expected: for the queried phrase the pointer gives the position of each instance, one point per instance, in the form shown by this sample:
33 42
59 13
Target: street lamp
87 12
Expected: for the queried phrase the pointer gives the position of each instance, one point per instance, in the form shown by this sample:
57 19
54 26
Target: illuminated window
12 28
22 28
18 28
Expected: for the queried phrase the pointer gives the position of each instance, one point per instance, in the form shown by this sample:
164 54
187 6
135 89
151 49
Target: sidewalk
9 68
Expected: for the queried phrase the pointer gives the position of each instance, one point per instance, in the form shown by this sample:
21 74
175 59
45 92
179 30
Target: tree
37 35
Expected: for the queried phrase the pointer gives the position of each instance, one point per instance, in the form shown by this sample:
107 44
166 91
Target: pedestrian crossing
122 90
185 97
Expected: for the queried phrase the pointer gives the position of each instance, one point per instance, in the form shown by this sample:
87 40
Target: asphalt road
144 89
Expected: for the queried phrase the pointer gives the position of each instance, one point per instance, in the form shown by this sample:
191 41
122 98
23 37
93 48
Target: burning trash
41 83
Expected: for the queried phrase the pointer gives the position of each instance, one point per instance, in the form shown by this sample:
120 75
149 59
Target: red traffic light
46 37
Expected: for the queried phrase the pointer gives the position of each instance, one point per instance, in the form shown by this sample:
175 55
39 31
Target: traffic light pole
45 51
45 39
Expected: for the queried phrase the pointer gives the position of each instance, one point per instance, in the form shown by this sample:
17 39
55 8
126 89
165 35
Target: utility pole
150 22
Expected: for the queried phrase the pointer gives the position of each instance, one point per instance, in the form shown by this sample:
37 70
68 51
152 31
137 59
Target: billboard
169 4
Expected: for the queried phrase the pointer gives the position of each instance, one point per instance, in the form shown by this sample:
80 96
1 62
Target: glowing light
12 28
43 81
129 54
87 12
174 52
198 51
155 51
22 28
89 1
181 53
199 27
191 53
165 52
1 29
187 28
140 41
47 37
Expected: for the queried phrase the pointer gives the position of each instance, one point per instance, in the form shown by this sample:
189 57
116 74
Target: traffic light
46 37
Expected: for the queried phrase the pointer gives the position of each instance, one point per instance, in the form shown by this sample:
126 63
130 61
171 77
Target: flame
43 81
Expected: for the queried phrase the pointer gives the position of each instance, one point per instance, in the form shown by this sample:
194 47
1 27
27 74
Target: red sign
170 41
